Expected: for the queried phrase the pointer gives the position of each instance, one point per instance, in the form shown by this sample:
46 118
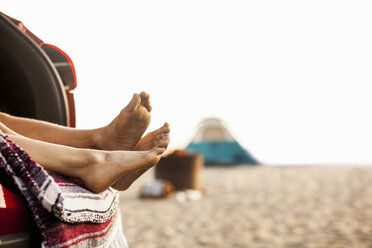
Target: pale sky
292 79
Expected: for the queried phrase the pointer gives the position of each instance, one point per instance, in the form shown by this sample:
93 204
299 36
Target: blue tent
215 143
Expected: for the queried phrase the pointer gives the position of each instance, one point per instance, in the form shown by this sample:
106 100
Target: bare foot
127 179
113 165
124 132
151 138
158 137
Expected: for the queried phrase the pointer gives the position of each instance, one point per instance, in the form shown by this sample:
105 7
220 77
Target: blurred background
291 79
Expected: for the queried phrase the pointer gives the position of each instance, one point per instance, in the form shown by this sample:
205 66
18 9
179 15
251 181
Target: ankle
96 157
86 162
97 138
90 172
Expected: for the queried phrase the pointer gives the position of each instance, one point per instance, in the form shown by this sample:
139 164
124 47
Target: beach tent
214 141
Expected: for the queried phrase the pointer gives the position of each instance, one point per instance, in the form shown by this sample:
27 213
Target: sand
263 206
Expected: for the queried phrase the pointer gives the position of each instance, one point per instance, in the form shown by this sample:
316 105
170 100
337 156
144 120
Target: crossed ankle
97 139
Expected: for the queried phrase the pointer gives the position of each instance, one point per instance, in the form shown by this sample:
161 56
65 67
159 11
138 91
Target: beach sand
262 206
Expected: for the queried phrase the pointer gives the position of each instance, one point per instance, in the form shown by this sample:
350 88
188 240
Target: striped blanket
67 214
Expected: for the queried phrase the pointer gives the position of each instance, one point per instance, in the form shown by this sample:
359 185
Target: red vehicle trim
69 61
23 28
13 212
71 108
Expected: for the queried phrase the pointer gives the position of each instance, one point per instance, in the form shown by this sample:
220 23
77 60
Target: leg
122 133
97 169
159 136
49 132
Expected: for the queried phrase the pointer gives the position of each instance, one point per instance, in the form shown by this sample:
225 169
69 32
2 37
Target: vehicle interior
36 80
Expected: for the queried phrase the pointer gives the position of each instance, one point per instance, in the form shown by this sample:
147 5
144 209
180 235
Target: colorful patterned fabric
67 214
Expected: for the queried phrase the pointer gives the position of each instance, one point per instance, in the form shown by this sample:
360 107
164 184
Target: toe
145 100
149 108
165 128
135 102
159 133
164 142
